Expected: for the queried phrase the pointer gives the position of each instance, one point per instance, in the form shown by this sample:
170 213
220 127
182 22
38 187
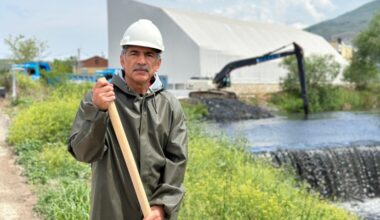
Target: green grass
62 183
67 200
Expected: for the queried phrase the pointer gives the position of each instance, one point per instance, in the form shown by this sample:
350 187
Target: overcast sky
69 25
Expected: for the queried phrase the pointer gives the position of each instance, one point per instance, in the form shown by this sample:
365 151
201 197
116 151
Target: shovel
128 158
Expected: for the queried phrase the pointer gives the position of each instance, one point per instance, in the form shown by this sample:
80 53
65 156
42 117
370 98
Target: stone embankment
222 110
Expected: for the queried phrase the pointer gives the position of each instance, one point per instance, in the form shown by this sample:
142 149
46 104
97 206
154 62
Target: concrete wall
246 90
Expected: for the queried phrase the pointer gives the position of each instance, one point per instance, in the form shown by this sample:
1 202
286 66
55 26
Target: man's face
140 63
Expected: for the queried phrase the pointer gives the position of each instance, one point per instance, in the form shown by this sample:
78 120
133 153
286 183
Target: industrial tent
199 44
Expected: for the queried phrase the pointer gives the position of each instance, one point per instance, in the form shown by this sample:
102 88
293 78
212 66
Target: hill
348 25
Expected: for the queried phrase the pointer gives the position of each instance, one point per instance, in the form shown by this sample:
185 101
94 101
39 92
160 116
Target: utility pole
14 94
78 62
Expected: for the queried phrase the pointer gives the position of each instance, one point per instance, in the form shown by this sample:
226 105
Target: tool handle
128 158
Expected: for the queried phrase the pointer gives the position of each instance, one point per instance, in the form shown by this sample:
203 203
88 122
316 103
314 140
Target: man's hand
157 213
102 94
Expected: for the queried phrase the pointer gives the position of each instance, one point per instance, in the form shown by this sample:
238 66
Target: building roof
95 61
246 38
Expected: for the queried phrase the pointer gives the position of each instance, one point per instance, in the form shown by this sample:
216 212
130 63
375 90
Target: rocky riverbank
222 110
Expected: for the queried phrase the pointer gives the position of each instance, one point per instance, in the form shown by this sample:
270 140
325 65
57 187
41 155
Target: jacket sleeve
87 139
170 192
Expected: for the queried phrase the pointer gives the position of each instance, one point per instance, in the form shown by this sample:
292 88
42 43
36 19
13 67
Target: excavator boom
223 80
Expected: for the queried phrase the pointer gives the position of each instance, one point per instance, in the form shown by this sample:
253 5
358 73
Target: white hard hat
143 33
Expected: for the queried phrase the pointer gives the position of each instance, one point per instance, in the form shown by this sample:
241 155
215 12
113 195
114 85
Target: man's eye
150 55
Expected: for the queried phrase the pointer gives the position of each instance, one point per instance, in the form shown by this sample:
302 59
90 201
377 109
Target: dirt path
16 198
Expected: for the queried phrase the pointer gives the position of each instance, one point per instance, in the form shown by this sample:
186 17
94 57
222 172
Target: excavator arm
222 79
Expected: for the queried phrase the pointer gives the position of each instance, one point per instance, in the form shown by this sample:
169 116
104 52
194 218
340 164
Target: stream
335 139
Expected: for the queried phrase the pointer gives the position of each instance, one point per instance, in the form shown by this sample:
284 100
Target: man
155 127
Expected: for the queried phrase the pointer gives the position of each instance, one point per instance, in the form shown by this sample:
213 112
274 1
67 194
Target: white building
199 45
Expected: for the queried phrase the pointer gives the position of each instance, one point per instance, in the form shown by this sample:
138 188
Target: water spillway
336 152
344 173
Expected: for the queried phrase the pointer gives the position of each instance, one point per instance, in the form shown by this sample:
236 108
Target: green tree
60 70
320 72
25 49
364 69
63 66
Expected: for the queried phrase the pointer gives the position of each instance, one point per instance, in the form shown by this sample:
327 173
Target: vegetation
25 49
60 70
320 73
62 183
361 77
364 71
222 180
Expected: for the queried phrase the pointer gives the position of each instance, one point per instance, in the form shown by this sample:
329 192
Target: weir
344 173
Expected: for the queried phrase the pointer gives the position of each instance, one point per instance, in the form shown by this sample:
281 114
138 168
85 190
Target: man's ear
121 60
158 64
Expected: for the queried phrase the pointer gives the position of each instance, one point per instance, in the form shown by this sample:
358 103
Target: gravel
222 110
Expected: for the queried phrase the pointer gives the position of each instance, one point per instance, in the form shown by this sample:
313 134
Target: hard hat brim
141 44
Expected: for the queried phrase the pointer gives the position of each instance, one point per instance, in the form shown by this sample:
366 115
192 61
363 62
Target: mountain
348 25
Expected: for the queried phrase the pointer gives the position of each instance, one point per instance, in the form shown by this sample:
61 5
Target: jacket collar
119 81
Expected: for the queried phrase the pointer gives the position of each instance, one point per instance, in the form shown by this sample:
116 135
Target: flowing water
318 131
338 153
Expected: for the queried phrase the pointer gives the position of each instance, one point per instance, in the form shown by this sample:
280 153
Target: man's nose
141 59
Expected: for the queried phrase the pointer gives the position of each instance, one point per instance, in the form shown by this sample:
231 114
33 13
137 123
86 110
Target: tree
63 66
364 68
25 49
320 71
60 70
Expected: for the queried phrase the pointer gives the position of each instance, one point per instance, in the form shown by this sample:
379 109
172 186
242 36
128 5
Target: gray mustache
141 68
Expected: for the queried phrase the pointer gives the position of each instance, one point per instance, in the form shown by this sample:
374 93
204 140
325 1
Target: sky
73 26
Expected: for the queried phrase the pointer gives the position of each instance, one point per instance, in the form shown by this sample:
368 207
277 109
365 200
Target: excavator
223 80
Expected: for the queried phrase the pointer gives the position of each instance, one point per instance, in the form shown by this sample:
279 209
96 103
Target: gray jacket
155 128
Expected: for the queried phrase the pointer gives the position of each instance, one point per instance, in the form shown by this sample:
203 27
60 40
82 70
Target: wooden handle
128 158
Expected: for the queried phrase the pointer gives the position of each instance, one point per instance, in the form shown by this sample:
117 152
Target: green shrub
287 102
70 92
329 98
57 163
363 70
6 80
48 121
320 72
27 87
44 162
194 111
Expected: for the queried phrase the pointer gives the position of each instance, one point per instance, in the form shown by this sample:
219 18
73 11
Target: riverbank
222 180
337 151
226 110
